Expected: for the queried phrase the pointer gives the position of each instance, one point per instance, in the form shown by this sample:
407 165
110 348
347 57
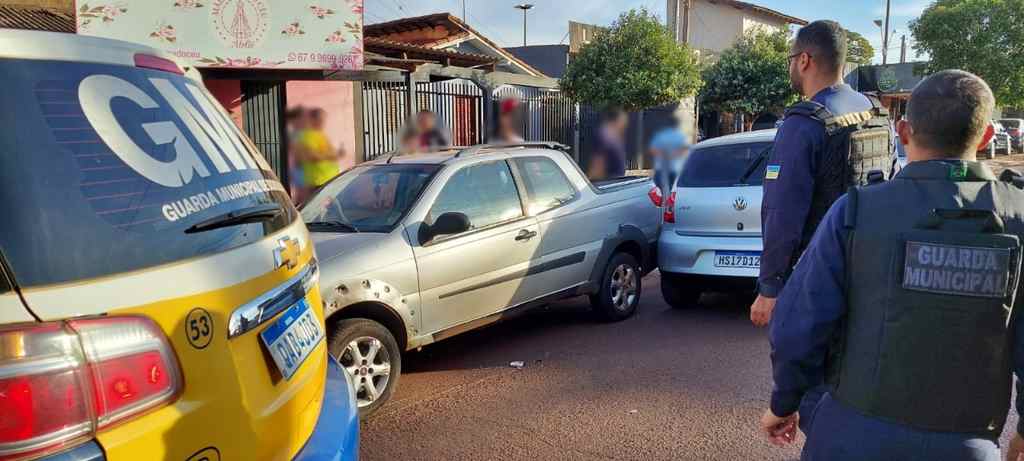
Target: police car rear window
724 166
104 167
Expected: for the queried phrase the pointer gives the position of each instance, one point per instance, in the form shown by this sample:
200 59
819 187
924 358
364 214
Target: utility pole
903 48
464 12
885 33
525 7
687 5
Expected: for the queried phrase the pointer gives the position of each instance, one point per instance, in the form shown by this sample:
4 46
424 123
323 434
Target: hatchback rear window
1011 124
105 167
725 165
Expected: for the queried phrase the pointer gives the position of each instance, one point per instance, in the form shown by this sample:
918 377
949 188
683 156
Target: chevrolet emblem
287 253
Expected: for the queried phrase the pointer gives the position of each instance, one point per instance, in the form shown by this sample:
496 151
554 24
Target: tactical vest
858 148
933 262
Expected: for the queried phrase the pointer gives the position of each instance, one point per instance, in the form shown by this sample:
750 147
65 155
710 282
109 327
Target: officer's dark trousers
838 433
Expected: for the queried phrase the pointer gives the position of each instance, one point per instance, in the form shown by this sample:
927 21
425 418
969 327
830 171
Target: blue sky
547 22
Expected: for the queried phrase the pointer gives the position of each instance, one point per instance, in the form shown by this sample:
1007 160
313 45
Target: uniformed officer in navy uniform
912 285
801 181
814 159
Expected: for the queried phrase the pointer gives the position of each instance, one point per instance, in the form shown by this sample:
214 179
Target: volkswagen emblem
739 204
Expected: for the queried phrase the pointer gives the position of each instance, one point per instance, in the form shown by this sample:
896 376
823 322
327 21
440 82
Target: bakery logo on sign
240 23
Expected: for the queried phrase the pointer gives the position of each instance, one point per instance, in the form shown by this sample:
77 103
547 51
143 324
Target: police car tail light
670 208
148 61
131 365
62 381
655 195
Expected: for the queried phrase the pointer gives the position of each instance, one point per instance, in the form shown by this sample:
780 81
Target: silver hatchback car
711 236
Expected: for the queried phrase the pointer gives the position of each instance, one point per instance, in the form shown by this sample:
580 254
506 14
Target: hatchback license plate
292 337
741 259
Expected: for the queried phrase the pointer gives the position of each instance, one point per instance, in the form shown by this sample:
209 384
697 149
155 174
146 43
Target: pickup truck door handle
525 235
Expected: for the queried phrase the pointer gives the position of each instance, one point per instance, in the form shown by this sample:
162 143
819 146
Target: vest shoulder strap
850 218
810 109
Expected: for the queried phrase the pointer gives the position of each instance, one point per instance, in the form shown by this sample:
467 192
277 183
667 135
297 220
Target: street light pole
885 35
525 7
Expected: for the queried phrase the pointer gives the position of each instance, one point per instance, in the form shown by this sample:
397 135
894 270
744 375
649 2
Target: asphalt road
663 385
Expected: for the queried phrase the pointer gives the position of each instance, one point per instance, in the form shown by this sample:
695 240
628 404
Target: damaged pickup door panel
419 248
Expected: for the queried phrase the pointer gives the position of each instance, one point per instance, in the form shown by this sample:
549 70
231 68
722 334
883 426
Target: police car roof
59 46
739 138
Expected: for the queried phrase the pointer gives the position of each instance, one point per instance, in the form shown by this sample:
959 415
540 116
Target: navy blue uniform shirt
789 184
809 312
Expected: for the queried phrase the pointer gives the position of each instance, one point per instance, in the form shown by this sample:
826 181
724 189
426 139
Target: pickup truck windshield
104 169
367 199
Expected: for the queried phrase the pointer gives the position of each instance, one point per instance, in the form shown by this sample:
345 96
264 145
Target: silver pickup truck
415 249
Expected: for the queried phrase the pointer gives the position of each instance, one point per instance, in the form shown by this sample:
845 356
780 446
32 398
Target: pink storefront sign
262 34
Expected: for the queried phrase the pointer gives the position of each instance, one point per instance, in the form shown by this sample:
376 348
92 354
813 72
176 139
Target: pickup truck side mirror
447 224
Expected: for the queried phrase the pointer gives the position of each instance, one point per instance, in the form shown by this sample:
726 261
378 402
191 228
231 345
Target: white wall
715 26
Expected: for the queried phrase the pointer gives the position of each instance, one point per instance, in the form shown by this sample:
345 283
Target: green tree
985 37
858 48
634 65
751 77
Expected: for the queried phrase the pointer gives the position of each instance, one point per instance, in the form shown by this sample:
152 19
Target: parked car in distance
1002 141
711 236
158 290
988 151
1015 128
418 248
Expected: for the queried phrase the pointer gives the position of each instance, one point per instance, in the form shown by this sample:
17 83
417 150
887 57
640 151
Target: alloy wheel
623 286
367 361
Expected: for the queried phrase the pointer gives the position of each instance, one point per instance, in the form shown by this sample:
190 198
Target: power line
401 8
490 31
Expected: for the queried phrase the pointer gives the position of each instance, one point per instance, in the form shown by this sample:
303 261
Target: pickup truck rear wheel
679 292
371 357
620 289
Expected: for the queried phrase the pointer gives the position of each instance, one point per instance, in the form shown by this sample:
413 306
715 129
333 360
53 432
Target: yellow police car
158 291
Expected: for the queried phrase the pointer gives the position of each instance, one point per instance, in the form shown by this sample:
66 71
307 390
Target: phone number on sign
319 58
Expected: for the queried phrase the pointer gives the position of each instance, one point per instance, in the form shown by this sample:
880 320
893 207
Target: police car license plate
292 337
741 259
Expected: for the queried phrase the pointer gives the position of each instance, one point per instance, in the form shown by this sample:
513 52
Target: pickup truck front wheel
371 357
620 289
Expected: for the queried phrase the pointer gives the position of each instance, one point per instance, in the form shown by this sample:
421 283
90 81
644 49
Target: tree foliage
751 77
985 37
634 65
858 48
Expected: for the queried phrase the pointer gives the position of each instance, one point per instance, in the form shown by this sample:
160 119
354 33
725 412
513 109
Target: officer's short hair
825 41
950 111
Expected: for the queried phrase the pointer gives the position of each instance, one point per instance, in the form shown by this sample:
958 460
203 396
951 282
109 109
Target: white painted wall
716 26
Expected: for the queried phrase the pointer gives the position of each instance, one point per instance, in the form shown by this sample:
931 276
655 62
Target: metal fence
641 130
459 106
547 114
263 107
457 103
383 115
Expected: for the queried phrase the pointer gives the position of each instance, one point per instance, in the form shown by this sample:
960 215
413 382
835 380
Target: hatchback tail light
655 196
61 382
670 208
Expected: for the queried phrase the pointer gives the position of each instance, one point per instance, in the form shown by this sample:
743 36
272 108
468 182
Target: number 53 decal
199 328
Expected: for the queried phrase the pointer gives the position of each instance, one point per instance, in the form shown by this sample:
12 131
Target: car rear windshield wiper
330 226
754 164
258 213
